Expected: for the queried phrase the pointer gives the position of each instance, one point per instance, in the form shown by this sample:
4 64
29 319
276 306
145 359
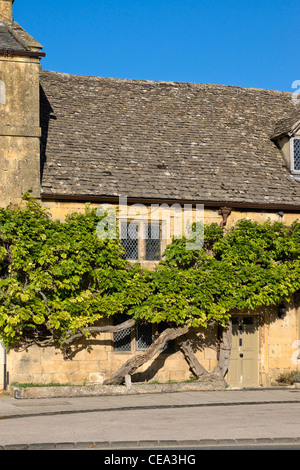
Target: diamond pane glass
152 241
122 340
297 154
144 336
129 240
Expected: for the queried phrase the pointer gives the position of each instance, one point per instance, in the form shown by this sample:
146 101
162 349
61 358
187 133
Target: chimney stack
6 11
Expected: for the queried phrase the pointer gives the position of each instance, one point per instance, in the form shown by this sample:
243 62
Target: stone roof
8 41
287 125
163 140
14 38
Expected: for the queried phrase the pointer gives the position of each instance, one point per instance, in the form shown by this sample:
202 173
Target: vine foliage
58 280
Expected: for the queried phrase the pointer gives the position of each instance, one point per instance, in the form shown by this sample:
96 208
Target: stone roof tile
8 41
163 140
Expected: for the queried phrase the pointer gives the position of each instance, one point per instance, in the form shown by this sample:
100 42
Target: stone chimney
20 130
6 11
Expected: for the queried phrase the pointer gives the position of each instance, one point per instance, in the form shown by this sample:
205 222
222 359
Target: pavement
13 408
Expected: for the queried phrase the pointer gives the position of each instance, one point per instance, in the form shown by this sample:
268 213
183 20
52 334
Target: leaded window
296 154
144 336
139 338
122 340
141 240
152 242
130 240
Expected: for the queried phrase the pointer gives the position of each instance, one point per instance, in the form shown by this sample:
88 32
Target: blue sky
251 43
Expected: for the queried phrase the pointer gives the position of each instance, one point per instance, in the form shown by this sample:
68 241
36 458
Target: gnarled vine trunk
184 345
225 345
139 359
97 329
178 334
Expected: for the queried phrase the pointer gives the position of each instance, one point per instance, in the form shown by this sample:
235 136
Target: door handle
241 355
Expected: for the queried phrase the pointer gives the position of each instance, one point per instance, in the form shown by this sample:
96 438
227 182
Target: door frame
237 359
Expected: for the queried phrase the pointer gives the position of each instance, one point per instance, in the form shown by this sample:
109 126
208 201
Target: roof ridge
11 30
162 82
24 38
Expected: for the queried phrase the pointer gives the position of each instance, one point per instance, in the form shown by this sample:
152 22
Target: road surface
236 422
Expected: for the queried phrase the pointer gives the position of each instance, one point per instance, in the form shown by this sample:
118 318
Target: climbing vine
58 280
250 266
59 277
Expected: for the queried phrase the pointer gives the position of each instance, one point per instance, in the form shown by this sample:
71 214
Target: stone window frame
133 342
156 330
142 222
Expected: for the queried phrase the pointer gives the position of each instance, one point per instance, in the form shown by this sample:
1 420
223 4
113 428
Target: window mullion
142 241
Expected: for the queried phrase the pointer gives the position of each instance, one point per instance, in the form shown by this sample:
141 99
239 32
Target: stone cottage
235 152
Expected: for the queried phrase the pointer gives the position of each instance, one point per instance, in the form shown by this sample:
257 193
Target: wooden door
243 366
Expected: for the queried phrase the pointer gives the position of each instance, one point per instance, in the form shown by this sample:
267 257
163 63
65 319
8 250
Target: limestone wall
19 128
95 360
279 343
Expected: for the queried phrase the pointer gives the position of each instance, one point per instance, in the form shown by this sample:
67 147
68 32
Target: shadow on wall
45 116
